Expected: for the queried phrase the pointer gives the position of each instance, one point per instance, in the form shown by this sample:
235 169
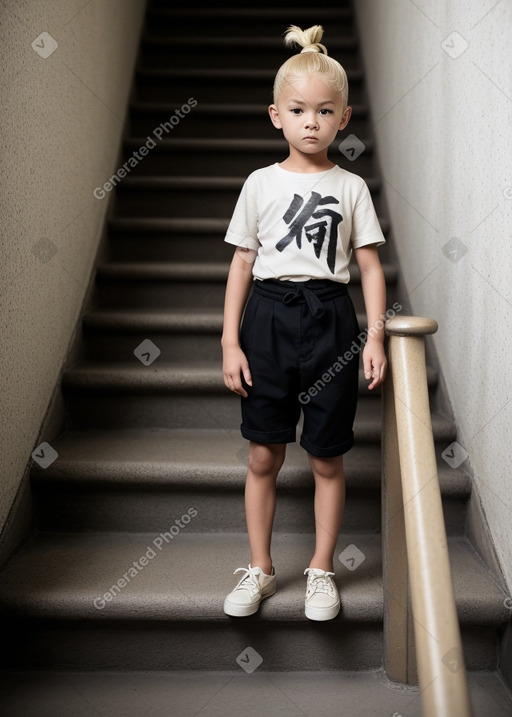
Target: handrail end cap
411 326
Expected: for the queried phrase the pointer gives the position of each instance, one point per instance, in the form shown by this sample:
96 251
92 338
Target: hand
234 365
374 362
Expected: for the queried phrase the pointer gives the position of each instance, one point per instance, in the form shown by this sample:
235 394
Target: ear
274 116
345 118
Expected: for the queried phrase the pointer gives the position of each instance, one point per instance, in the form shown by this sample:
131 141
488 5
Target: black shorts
303 345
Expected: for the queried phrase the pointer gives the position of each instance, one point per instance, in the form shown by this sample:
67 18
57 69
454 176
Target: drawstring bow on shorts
314 304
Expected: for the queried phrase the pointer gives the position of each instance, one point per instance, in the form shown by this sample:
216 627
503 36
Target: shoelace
319 583
249 580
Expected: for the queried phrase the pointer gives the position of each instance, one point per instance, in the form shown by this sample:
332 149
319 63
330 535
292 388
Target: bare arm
238 285
374 293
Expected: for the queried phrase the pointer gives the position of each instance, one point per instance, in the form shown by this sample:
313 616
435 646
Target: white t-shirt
303 226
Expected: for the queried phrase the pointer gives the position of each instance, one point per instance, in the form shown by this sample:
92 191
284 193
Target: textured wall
61 117
440 80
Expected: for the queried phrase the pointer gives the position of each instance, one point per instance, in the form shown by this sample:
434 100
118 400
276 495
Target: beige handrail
415 550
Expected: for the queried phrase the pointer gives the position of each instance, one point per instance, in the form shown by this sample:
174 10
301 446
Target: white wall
60 125
442 113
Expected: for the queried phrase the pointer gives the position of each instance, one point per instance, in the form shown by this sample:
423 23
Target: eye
296 111
325 112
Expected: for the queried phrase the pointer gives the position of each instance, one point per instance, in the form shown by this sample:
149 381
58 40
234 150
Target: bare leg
265 461
329 507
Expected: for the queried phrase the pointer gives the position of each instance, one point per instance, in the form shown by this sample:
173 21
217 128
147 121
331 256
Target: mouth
310 139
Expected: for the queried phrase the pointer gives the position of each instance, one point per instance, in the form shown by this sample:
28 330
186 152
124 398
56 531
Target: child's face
310 113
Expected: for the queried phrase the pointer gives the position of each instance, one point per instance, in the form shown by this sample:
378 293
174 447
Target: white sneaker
254 587
322 597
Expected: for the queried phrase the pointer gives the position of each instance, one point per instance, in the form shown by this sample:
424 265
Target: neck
306 163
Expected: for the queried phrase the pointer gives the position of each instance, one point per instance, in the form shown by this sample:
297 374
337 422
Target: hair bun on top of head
313 58
308 39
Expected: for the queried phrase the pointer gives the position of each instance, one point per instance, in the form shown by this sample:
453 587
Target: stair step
189 459
197 271
186 285
180 240
226 157
121 322
263 6
171 196
252 43
155 379
210 320
178 337
78 693
164 271
247 22
171 50
218 84
162 395
186 336
182 458
219 120
183 286
169 614
132 480
168 240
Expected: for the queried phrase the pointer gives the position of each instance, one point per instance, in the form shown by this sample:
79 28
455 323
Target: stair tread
199 458
223 73
204 379
181 183
233 144
169 41
153 319
221 108
178 456
164 270
184 224
200 270
117 376
58 576
123 320
184 182
192 692
165 224
246 13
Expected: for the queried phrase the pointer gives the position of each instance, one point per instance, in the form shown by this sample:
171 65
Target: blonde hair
312 58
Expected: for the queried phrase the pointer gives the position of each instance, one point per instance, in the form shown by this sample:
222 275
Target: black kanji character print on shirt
298 218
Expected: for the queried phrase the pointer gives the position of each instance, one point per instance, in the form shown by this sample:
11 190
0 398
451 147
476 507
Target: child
295 226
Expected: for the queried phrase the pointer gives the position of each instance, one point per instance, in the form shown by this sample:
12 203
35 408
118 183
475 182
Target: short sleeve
243 227
365 223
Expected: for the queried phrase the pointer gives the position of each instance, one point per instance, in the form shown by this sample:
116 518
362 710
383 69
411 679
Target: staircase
140 520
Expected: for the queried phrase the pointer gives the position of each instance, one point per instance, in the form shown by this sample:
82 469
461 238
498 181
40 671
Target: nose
310 121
